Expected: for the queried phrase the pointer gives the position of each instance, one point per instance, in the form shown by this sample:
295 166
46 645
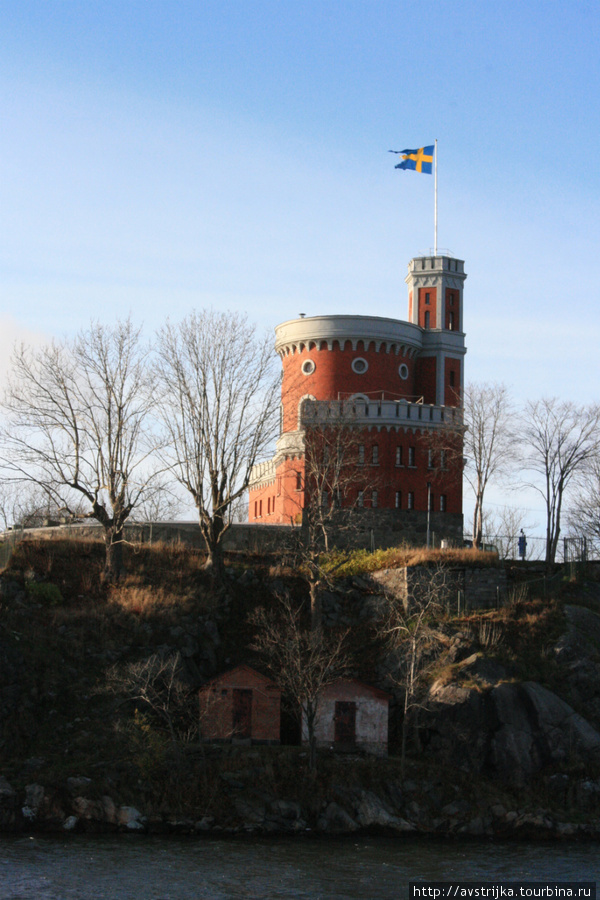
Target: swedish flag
420 160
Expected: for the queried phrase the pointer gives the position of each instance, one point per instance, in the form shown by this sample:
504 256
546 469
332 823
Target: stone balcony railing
380 413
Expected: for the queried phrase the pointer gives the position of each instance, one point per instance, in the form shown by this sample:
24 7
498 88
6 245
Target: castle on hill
396 384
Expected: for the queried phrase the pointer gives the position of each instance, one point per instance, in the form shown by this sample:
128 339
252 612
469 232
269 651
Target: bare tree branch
76 414
301 660
559 440
218 407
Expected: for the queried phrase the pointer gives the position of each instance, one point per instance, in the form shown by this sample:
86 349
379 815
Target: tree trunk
215 564
312 738
113 562
316 615
212 531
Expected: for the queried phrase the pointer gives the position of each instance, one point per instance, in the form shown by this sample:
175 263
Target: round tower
403 381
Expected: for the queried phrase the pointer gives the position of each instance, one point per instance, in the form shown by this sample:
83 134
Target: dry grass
146 600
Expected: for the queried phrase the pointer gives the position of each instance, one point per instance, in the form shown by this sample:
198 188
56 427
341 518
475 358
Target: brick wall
217 702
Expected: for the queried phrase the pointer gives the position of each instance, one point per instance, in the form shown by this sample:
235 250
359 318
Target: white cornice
296 334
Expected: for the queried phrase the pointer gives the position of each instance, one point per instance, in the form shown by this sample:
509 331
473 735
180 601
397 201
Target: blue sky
160 156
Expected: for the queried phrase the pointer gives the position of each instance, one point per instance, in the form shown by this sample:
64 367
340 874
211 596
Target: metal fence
569 550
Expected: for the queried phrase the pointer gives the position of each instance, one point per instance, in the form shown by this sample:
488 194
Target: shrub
44 592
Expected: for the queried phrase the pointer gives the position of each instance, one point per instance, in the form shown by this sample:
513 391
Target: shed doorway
242 712
345 722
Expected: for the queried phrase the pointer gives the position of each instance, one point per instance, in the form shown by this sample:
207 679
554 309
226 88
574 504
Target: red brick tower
404 380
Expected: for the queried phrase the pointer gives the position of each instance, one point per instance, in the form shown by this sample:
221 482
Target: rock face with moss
506 740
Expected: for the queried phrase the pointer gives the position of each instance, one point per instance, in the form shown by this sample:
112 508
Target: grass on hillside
357 562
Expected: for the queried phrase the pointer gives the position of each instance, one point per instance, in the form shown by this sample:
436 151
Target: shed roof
360 688
241 674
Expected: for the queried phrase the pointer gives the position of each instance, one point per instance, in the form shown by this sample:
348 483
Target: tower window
430 459
410 500
442 503
359 365
398 499
451 321
298 481
451 378
426 318
411 456
403 371
361 454
375 455
374 499
427 298
308 367
398 456
360 499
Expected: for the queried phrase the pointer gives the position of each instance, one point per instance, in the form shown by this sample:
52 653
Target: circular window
308 367
359 365
403 371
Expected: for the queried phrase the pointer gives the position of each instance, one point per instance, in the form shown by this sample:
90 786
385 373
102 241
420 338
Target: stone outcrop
511 730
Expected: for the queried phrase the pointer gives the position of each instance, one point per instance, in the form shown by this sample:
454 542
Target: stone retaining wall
458 588
356 528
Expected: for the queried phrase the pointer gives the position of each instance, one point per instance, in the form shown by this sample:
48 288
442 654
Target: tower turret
435 303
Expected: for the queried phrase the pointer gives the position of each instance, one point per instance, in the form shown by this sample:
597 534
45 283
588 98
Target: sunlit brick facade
403 381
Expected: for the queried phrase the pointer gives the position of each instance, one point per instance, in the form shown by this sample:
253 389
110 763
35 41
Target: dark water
140 868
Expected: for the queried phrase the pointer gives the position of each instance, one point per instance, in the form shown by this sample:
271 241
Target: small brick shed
352 715
240 704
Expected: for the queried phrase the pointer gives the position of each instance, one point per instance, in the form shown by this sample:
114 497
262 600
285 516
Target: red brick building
240 704
402 381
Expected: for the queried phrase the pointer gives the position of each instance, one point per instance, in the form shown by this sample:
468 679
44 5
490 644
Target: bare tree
503 529
559 440
301 660
160 503
76 413
23 506
584 512
332 470
219 396
487 442
410 639
156 683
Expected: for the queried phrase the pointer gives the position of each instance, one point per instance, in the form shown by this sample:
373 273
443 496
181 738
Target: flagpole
435 191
